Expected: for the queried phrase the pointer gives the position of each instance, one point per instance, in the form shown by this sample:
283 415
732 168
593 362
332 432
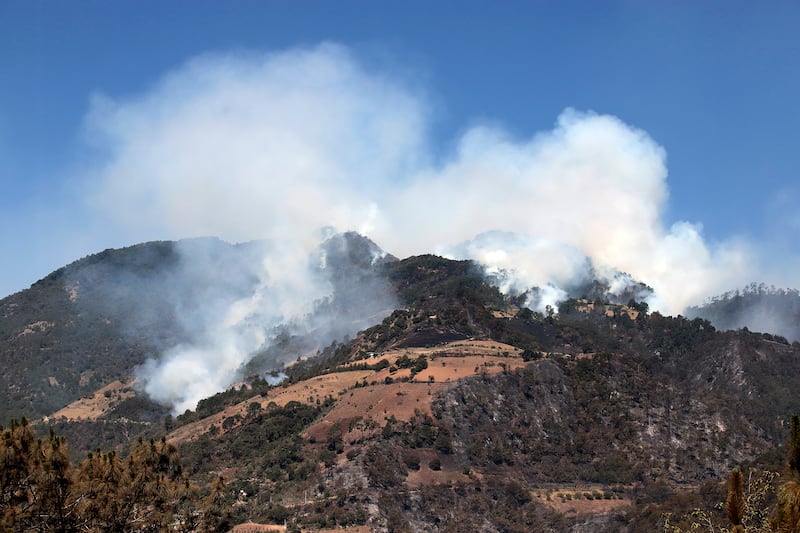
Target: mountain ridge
458 394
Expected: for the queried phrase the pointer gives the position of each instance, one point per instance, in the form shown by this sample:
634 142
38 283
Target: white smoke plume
276 146
224 333
592 187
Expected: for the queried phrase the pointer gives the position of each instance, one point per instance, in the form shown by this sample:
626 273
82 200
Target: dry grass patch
373 405
99 403
388 393
582 501
308 391
251 527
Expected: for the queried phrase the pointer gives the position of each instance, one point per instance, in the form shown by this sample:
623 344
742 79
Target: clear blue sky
715 83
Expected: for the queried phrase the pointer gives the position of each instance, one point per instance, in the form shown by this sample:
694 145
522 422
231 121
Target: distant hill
756 307
66 336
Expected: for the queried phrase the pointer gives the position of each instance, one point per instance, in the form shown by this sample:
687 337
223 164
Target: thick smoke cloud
230 305
593 186
248 147
277 146
212 313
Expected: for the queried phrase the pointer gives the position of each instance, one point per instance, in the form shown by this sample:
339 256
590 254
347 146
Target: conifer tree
55 500
40 490
37 482
17 449
187 514
735 503
216 513
788 516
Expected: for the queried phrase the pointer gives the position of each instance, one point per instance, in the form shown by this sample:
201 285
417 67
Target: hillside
597 413
100 317
457 411
609 410
66 337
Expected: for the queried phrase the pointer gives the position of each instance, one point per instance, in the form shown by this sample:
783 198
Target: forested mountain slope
458 411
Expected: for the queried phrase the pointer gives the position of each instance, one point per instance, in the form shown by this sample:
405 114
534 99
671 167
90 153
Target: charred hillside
458 411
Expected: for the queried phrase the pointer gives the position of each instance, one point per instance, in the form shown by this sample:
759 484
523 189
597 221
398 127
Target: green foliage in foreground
267 452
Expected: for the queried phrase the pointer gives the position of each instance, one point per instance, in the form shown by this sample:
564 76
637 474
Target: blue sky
714 83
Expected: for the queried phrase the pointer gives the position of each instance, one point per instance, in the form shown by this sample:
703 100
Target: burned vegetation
461 410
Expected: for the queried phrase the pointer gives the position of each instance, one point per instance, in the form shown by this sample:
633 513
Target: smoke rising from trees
276 146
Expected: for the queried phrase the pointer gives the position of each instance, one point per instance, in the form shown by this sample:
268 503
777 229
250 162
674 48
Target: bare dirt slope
98 403
377 394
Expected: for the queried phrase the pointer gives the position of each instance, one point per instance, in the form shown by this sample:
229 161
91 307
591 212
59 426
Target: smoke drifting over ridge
276 146
212 313
245 315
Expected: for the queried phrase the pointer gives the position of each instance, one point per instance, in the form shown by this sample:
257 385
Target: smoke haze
277 146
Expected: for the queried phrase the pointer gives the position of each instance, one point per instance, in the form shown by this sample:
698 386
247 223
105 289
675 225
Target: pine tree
735 503
216 511
55 500
17 450
40 490
187 514
37 482
788 516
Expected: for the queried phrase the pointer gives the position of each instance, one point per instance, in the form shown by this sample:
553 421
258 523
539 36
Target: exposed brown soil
251 527
308 391
379 400
37 327
99 403
572 500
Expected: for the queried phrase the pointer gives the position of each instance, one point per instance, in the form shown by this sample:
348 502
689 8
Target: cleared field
595 500
387 393
98 404
309 391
